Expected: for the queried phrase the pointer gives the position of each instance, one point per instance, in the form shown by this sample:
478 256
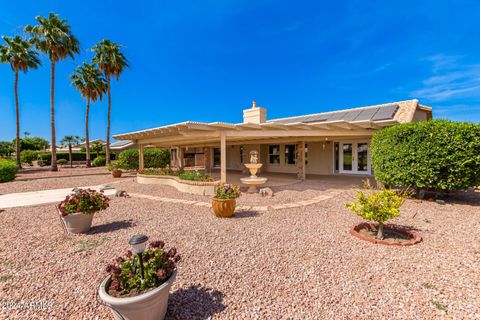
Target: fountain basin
253 182
253 168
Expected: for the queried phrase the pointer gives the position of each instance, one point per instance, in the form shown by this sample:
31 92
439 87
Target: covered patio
327 143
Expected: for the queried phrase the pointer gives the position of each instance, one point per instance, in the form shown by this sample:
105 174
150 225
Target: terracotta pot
116 173
151 305
77 222
223 208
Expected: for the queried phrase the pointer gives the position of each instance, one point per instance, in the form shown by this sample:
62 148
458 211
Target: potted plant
77 209
225 200
138 286
115 169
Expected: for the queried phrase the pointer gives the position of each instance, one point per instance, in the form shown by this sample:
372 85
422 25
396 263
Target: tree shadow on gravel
112 226
245 214
195 303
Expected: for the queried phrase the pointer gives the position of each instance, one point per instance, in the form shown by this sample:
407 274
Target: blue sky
207 60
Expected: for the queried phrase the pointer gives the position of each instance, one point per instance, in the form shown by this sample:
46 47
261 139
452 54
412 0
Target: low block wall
193 187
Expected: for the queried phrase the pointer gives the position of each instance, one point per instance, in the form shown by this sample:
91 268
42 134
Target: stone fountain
253 181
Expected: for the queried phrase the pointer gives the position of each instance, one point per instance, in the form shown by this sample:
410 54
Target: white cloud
449 79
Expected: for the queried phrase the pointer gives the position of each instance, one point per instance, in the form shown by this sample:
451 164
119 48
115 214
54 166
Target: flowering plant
86 201
227 191
158 266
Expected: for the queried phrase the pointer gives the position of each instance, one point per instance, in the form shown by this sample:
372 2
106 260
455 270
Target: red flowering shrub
158 266
86 201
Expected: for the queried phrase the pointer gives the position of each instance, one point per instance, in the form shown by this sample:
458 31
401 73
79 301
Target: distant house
79 147
120 146
327 143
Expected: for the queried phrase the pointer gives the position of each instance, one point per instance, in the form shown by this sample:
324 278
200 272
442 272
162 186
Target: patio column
140 157
206 155
301 170
180 158
223 158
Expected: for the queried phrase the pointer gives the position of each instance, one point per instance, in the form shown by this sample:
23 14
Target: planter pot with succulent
225 200
77 209
138 285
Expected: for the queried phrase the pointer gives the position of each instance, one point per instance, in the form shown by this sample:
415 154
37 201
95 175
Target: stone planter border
204 188
414 236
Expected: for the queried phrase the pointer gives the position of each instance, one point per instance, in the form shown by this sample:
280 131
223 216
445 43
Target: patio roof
351 122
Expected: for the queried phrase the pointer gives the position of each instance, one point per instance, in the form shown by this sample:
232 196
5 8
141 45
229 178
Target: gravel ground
287 194
65 178
297 263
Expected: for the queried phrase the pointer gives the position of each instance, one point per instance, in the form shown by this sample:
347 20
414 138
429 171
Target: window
274 154
241 154
216 157
290 154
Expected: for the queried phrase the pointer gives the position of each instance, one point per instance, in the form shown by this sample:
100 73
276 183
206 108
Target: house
327 143
118 146
79 147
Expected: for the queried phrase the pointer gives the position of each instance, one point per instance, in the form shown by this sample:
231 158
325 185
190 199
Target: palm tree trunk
70 154
17 111
52 117
107 146
87 137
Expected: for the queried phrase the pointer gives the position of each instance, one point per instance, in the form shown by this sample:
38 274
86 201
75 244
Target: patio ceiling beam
249 126
198 126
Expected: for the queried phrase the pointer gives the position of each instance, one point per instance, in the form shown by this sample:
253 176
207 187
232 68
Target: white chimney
255 114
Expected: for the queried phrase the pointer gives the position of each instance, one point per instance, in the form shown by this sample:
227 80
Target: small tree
97 147
69 141
378 206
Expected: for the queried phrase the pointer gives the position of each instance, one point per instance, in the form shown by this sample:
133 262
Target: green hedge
8 170
28 156
76 156
99 161
438 155
153 158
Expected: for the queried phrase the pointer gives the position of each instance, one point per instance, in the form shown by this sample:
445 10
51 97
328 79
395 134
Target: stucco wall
320 161
420 115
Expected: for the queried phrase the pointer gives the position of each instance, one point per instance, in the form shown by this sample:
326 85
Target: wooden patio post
180 158
301 170
223 158
140 157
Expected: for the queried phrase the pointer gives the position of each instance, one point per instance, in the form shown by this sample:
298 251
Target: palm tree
112 63
91 84
21 57
71 141
97 147
54 37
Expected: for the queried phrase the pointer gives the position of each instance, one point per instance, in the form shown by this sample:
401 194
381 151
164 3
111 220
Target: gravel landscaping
297 263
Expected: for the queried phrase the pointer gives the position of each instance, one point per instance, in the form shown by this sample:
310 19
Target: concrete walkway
35 198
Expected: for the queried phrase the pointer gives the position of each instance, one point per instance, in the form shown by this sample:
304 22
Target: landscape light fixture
138 243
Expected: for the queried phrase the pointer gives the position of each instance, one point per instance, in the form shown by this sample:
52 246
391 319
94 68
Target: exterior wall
420 115
320 161
281 167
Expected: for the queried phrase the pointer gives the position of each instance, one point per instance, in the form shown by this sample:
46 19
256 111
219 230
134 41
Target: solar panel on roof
385 113
366 114
336 116
351 115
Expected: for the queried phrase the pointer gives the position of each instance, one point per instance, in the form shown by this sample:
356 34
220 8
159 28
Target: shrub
46 157
99 161
159 264
194 176
227 191
436 155
28 156
153 158
85 201
378 206
8 170
62 162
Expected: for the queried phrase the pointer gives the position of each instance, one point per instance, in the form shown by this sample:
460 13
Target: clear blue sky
207 60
